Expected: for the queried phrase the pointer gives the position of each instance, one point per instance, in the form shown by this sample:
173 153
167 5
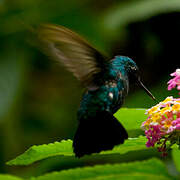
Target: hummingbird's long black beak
147 91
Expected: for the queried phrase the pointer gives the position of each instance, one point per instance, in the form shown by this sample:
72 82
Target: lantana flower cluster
163 123
162 127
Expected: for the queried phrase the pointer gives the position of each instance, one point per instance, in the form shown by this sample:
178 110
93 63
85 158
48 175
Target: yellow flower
178 101
166 110
167 123
168 99
156 117
147 122
176 107
153 110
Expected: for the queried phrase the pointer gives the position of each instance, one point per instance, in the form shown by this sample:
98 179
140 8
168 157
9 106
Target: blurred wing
75 53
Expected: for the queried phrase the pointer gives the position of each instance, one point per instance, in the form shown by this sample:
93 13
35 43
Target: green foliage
128 117
132 144
131 119
133 11
133 149
64 148
36 153
176 158
136 170
9 177
39 101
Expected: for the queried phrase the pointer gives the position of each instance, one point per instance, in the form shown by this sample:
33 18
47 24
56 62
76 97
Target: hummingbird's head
133 72
126 64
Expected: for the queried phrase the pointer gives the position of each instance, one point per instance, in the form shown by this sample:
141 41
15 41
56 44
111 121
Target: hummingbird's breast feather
109 97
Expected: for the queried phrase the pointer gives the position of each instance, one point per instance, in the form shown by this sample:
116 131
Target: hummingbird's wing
75 53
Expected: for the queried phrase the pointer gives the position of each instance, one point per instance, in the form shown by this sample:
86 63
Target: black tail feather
98 133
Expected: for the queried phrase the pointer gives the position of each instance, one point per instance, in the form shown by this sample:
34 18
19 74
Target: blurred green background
39 98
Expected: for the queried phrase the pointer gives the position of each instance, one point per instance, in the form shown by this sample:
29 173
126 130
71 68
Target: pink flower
149 143
176 73
176 122
175 81
153 135
178 127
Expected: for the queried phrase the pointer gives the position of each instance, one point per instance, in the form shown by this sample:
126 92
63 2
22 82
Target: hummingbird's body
106 81
98 128
110 95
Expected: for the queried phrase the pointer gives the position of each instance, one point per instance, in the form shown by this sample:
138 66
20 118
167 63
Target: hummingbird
106 82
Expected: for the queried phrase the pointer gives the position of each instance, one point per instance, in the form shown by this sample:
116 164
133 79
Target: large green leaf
40 152
151 169
131 118
64 148
132 144
9 177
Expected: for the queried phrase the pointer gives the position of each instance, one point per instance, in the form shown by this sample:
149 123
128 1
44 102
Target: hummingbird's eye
133 69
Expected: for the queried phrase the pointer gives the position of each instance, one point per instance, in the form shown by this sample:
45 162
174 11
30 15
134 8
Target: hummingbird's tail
95 134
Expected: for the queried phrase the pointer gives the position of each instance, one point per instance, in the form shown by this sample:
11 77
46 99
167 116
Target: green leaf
133 11
36 153
131 118
151 169
132 144
176 158
9 177
64 148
